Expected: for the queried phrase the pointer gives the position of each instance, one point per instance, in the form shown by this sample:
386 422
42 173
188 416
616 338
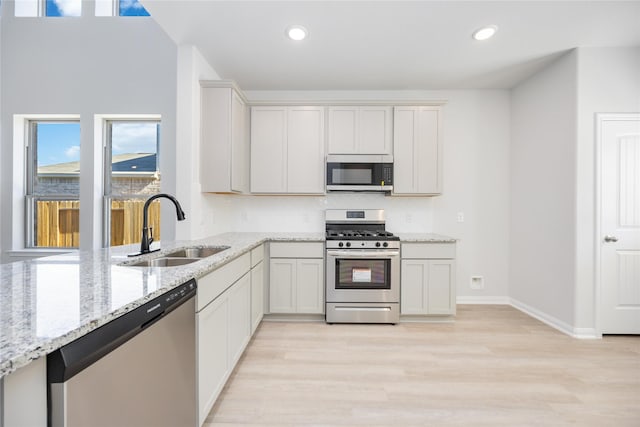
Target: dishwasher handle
71 359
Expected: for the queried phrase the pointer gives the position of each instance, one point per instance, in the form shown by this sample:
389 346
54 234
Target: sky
60 142
74 8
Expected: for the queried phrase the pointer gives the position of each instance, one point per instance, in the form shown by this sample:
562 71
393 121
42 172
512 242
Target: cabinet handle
609 238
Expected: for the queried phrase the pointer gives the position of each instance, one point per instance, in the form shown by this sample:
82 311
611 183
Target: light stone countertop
425 238
48 302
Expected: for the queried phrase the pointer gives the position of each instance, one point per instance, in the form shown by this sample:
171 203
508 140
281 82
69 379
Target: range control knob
377 244
385 244
348 244
340 244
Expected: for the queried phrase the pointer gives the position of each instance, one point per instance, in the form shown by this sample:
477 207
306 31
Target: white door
619 139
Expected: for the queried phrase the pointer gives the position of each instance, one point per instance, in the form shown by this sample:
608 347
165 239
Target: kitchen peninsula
49 302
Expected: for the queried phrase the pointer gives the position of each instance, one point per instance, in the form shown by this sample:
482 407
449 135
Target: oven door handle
357 253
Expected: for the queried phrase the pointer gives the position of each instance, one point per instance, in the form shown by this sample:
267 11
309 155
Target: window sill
37 253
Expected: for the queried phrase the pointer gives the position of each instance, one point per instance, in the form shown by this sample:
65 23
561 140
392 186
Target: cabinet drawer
428 250
216 282
296 250
257 255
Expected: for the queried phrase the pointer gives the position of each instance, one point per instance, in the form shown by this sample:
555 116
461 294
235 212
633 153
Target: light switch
460 216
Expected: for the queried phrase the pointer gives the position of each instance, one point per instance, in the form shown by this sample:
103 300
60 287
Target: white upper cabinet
360 130
417 150
287 150
224 149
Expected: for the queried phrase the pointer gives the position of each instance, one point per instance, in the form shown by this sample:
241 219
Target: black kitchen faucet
147 238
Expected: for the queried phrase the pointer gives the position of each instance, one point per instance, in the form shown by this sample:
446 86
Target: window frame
31 171
108 197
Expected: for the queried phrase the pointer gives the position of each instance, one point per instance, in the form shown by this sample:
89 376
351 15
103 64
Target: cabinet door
305 150
239 145
310 286
375 132
282 285
343 134
23 395
441 290
427 287
216 137
404 161
212 325
239 318
268 150
414 275
257 295
429 151
417 150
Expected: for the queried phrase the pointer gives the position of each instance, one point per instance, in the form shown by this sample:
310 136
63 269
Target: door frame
601 118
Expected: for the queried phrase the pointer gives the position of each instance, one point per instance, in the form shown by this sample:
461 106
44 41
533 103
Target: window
131 176
131 8
63 8
53 184
48 8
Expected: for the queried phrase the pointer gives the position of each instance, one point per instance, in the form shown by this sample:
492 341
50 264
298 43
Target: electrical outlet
477 282
460 216
408 218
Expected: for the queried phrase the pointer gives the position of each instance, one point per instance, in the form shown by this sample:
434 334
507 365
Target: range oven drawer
362 313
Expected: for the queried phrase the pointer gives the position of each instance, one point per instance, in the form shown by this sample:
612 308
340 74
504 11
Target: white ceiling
390 45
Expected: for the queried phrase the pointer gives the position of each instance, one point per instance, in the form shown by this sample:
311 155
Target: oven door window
363 273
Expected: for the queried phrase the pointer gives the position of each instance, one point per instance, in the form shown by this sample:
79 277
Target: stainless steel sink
202 252
180 257
164 262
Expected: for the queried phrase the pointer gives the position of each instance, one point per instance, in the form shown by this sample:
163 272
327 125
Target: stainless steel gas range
362 267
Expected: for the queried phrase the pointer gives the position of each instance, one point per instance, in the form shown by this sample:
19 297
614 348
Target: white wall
87 65
542 206
476 176
207 214
608 82
553 155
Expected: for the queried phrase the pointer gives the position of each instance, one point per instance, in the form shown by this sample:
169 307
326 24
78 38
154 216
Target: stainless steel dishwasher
137 370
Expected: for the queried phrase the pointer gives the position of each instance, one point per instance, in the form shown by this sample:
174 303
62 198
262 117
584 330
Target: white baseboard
483 300
581 333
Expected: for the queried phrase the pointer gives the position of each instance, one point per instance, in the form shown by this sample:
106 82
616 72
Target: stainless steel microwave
351 172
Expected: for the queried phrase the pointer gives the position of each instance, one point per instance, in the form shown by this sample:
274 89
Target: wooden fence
58 222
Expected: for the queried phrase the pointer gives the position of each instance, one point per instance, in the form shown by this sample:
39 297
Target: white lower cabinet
427 279
239 318
223 322
23 396
213 354
296 278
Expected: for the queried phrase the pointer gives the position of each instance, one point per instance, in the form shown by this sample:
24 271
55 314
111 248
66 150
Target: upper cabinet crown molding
231 84
347 102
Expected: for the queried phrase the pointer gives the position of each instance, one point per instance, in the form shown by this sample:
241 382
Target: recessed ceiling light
296 32
485 33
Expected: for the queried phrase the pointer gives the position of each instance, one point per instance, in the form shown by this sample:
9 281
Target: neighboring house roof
129 163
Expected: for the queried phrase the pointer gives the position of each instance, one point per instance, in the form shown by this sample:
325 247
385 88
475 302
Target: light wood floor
494 366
